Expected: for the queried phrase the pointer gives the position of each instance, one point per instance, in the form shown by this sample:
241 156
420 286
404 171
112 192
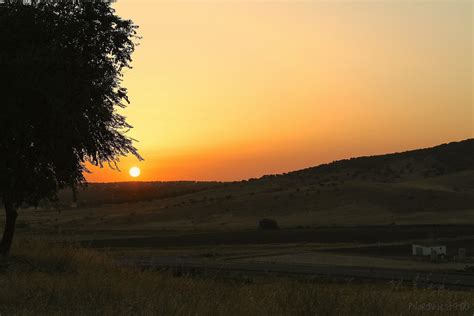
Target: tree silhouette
60 88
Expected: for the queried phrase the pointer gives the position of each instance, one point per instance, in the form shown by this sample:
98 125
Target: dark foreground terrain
458 280
45 279
323 235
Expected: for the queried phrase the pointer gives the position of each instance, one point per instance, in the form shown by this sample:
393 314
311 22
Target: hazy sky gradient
227 90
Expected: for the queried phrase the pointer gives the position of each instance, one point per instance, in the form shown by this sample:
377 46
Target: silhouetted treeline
424 163
96 194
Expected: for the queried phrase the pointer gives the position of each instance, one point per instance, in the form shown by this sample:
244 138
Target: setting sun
134 172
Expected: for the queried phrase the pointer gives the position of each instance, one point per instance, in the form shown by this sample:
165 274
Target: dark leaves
60 83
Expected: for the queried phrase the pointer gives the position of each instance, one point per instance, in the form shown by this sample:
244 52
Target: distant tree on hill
60 86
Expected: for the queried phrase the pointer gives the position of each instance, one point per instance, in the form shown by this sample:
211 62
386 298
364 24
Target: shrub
268 224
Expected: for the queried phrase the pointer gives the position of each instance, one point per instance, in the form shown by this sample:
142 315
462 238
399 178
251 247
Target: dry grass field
45 279
242 206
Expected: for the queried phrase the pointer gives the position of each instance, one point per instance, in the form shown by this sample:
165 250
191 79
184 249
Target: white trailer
427 250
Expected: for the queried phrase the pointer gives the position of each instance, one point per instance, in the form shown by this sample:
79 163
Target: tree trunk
10 220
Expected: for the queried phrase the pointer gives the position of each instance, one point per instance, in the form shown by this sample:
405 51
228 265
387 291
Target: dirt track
356 234
422 278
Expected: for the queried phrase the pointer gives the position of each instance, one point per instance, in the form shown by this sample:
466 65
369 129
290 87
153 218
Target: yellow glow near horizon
227 90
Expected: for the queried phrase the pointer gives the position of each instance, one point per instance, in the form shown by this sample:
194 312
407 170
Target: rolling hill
432 185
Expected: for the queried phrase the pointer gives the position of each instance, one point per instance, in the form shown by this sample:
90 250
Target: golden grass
44 279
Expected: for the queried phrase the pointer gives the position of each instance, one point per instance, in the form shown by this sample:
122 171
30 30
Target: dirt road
456 280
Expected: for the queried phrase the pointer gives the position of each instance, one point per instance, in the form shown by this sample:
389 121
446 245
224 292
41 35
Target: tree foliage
61 68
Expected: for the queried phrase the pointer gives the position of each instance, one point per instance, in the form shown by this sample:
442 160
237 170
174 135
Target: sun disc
134 172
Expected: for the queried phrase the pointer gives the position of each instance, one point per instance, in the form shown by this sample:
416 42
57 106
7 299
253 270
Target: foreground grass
41 279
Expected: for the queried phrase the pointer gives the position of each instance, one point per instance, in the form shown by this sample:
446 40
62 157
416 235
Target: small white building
427 250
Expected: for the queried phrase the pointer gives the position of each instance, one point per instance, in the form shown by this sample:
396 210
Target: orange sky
228 90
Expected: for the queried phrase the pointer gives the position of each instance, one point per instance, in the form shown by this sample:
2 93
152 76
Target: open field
358 235
347 260
318 266
38 279
383 246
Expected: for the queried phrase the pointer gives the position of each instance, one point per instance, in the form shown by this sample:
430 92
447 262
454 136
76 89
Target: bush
267 224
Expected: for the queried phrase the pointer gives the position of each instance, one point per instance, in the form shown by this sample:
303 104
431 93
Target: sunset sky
228 90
